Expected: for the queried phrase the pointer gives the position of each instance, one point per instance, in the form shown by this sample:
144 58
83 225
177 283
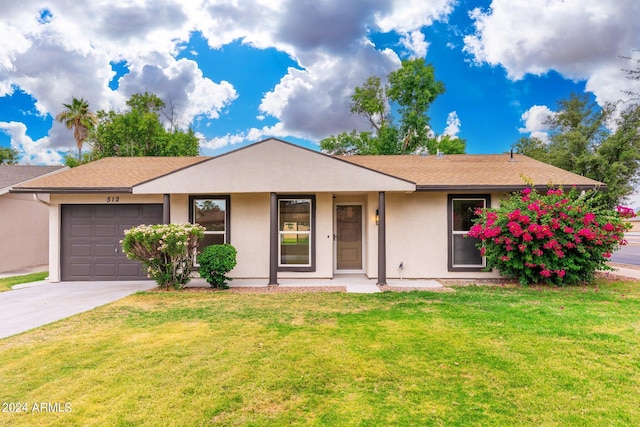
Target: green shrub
216 261
558 237
165 249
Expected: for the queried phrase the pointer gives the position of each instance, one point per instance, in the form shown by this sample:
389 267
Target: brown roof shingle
429 173
465 171
111 173
15 174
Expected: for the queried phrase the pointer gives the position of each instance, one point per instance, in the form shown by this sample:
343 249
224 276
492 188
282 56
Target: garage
90 240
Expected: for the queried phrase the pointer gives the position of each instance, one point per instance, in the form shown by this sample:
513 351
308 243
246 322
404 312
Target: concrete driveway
35 304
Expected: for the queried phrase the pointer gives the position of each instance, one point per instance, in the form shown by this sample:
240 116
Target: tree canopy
8 156
138 131
78 116
601 143
410 91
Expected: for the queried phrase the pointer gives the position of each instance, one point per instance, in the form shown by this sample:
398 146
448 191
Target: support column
382 241
166 209
273 240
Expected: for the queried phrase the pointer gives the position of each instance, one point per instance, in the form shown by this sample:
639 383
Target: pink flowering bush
557 237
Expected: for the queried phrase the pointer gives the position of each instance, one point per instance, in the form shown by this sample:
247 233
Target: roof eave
73 190
501 188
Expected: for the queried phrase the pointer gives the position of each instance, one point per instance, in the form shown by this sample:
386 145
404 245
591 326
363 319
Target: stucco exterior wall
250 233
24 237
417 237
416 232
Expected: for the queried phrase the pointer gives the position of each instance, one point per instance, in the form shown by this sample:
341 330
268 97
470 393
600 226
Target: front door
349 237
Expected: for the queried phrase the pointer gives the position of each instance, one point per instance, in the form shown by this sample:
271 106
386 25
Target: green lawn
7 282
489 356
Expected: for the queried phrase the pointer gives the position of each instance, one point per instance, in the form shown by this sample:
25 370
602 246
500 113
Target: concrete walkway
35 304
624 272
353 283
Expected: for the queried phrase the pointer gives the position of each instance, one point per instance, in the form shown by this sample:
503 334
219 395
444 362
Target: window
463 253
213 214
296 247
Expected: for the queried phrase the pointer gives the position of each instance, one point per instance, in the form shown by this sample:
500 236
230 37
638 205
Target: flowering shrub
166 250
557 237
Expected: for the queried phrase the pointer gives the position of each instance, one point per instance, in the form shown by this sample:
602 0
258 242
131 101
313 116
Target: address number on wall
113 199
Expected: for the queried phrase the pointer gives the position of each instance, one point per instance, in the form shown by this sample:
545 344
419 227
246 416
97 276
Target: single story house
24 219
291 212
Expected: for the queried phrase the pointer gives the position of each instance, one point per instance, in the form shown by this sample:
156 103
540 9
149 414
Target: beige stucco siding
250 233
24 238
273 166
417 234
417 237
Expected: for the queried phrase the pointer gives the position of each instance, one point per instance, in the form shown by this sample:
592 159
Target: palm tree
78 116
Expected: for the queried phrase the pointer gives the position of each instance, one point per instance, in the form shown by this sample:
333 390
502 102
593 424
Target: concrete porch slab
414 283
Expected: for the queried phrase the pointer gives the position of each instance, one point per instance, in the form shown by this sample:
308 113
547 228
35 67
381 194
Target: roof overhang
71 190
500 188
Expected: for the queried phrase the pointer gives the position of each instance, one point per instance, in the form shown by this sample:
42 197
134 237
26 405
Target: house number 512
113 199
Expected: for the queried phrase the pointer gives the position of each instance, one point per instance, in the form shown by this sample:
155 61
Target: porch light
377 217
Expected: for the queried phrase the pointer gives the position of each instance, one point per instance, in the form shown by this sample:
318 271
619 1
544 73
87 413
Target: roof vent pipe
512 154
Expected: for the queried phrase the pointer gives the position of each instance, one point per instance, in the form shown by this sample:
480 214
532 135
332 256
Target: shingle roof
109 174
465 171
15 174
450 172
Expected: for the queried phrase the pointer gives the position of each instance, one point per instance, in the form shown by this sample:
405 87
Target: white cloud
30 151
314 103
453 125
534 122
182 85
580 39
405 16
415 43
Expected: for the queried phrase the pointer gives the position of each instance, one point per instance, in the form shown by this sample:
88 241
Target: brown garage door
91 235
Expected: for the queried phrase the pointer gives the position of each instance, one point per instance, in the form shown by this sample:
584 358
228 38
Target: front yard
478 356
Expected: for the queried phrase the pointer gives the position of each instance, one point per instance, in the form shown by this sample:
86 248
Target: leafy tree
72 161
581 142
411 91
414 88
78 116
139 132
8 156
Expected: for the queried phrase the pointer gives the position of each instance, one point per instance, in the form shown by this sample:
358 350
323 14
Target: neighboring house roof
472 172
110 174
11 175
280 166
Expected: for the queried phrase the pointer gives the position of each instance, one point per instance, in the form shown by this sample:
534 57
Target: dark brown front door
90 245
349 237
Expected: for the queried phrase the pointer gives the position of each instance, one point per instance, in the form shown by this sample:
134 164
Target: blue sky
238 72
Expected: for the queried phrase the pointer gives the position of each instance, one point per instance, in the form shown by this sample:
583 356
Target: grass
8 282
488 356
